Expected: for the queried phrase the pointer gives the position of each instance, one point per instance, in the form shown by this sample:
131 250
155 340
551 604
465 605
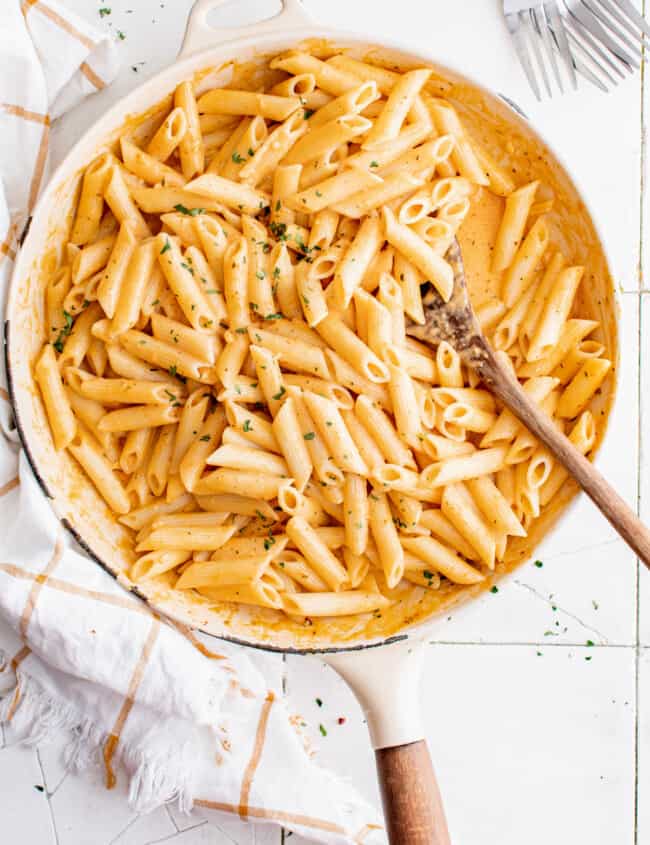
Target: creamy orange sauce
513 146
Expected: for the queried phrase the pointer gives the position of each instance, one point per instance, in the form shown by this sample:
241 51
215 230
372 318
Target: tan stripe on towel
39 167
18 658
74 590
251 768
358 839
65 25
9 486
273 815
37 586
113 740
26 114
91 76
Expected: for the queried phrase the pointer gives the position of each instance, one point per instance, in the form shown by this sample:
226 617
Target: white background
537 737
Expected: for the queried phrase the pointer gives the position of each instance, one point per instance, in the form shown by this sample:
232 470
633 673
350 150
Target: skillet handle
200 34
386 682
409 790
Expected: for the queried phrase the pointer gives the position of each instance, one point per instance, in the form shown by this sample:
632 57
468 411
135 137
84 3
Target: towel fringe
154 779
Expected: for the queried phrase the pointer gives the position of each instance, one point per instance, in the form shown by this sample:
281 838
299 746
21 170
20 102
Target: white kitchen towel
182 716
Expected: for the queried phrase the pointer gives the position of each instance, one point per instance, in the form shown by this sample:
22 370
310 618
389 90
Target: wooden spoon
455 322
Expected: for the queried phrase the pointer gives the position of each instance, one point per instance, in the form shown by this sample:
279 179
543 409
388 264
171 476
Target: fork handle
611 505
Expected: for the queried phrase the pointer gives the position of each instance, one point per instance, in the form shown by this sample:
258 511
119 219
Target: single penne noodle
405 406
56 294
225 503
292 354
333 190
580 353
257 593
193 463
439 448
481 399
127 391
495 507
308 541
459 508
100 471
394 186
255 485
578 393
583 437
574 331
421 158
157 563
108 291
521 271
169 135
140 517
378 326
390 295
148 167
344 342
355 262
232 194
166 356
352 101
513 223
323 229
527 500
91 259
182 279
269 376
286 181
246 458
296 86
386 538
328 389
463 156
270 106
399 103
501 181
378 425
252 426
326 137
207 282
118 198
79 338
288 433
555 313
223 573
448 366
126 365
538 303
357 383
63 424
89 413
325 469
328 78
311 295
283 276
436 522
91 199
383 78
133 287
260 291
442 559
333 604
191 537
275 148
138 416
428 262
235 274
468 417
332 428
198 344
394 477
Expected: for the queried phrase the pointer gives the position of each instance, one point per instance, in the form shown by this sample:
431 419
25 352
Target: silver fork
602 40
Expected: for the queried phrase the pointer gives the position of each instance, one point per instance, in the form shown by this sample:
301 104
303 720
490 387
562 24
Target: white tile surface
531 741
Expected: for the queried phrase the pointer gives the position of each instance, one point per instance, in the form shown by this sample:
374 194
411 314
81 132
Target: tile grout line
47 797
640 444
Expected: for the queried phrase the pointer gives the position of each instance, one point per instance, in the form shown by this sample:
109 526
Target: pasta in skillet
228 361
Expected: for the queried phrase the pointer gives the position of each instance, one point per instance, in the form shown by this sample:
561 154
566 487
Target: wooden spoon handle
613 507
409 790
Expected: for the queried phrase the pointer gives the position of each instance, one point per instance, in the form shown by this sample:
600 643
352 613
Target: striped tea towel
181 716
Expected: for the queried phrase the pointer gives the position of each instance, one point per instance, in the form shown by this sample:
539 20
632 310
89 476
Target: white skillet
384 673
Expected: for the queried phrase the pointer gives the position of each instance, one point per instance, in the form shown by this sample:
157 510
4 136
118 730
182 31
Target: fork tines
602 40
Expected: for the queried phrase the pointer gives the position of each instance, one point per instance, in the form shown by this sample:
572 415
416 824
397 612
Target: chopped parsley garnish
172 370
269 541
167 247
307 113
494 590
260 274
278 230
374 164
428 574
104 11
280 394
237 158
65 331
319 702
192 212
322 730
206 438
276 316
309 436
539 564
251 151
247 425
121 35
